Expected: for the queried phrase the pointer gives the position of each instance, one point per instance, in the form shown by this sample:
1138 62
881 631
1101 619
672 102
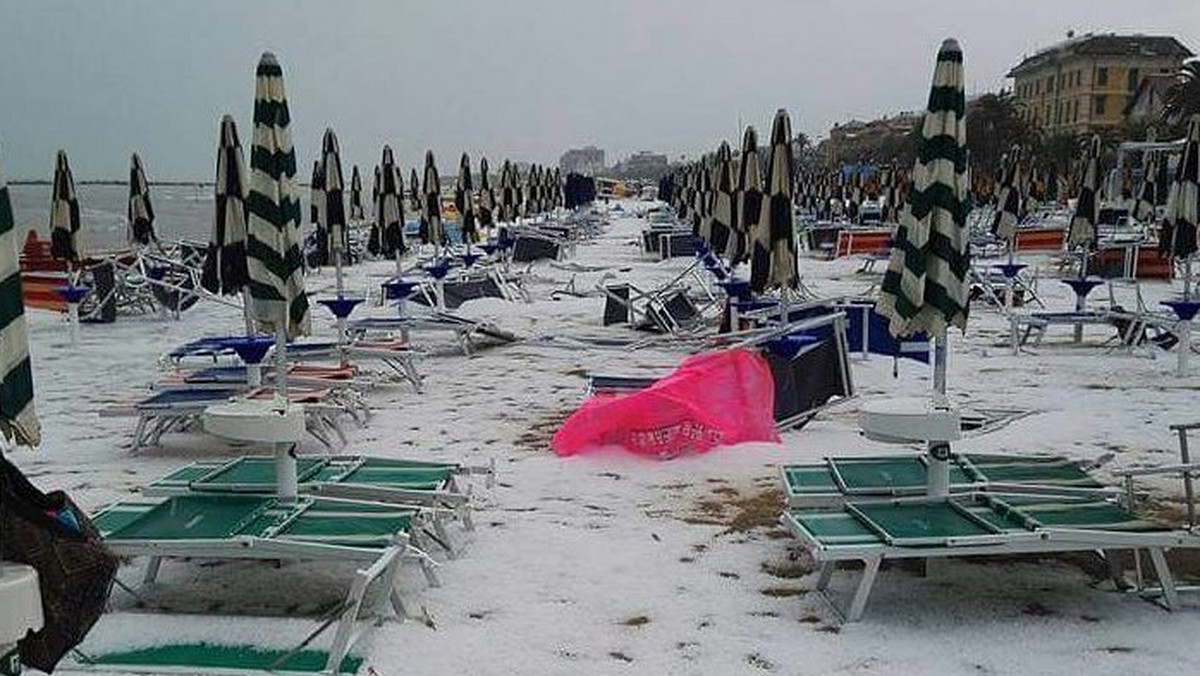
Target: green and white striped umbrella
509 202
925 286
1008 201
431 206
273 257
18 421
464 201
749 199
723 199
225 264
389 207
487 197
333 201
773 259
1082 231
1183 203
356 203
316 193
64 213
414 191
139 214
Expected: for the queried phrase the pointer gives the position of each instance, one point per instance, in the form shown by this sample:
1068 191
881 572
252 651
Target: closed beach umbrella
139 214
333 201
723 199
356 203
389 208
279 302
464 201
749 198
1183 202
925 286
316 209
432 205
1143 209
414 190
487 197
1082 231
64 213
773 262
225 264
1008 201
508 196
18 421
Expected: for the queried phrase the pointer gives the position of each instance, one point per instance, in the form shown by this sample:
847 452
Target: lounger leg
345 627
427 569
439 529
1165 580
864 590
825 575
468 520
1115 572
139 434
152 567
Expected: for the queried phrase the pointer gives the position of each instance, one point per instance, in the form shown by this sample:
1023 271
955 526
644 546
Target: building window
1098 105
1101 77
1075 110
1049 84
1134 79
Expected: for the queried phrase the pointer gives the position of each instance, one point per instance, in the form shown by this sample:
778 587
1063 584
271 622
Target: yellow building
1086 82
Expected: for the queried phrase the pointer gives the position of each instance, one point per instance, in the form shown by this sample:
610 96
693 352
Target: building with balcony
1088 82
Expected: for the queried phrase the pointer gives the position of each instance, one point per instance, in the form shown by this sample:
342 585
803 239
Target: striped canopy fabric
749 198
528 196
139 213
333 201
18 421
316 193
925 286
464 200
556 189
723 206
414 190
773 258
1147 200
356 203
64 213
1082 231
225 264
1008 200
701 212
388 229
1183 202
431 205
279 302
508 193
487 197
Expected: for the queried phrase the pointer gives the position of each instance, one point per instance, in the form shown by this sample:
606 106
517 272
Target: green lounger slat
920 523
198 517
198 657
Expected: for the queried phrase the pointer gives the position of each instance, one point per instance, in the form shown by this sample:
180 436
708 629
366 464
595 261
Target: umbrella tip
950 45
268 57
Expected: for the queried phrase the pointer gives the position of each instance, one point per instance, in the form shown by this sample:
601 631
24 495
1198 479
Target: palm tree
994 125
1182 100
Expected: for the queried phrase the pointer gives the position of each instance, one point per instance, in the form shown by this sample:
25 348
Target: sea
181 212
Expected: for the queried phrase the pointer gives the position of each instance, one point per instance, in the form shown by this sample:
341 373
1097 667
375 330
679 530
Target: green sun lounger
974 524
835 480
379 536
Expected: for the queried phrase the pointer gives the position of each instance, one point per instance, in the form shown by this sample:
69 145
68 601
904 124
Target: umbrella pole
286 485
246 313
1010 283
938 474
1079 298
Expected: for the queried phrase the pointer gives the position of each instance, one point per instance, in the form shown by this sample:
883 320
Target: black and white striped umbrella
225 264
1008 200
273 258
316 212
356 203
487 197
1147 200
464 201
1183 202
749 199
431 205
1082 231
529 194
700 200
925 286
389 207
64 213
773 259
333 201
509 200
18 420
139 213
414 191
724 196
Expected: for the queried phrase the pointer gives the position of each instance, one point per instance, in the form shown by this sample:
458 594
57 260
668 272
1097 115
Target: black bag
50 533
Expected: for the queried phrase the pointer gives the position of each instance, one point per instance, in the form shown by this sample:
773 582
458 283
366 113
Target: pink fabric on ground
713 399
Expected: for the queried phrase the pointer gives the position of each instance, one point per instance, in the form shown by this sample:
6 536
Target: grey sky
507 78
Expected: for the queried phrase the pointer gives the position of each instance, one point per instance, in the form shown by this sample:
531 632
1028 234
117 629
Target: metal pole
1186 458
1184 348
1079 298
938 474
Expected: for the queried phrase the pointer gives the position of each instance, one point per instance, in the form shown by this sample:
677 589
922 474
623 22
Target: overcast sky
523 79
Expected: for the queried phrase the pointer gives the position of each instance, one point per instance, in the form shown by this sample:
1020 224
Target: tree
1182 99
994 125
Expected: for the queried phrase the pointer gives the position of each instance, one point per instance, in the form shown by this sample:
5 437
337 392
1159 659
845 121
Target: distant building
644 164
588 161
870 141
1089 82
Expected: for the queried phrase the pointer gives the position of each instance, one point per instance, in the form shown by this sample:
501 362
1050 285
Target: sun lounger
377 536
466 331
177 410
836 480
975 524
